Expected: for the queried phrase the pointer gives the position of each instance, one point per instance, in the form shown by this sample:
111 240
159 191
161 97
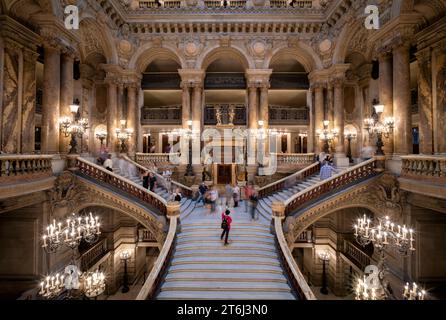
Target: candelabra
350 135
125 256
326 135
375 127
413 294
94 284
71 233
188 135
101 136
123 134
325 257
76 127
386 233
366 292
52 285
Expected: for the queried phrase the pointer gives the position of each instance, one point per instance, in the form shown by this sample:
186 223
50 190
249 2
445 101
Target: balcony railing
295 158
98 173
356 173
231 4
424 167
356 255
15 168
158 159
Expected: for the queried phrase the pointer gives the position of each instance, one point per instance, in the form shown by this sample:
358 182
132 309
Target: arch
302 52
91 31
147 54
343 42
216 52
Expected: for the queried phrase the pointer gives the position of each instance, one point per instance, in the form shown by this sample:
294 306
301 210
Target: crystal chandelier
71 233
385 234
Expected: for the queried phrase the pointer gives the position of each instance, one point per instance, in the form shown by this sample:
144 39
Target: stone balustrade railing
356 255
185 190
159 268
98 173
214 4
16 168
289 181
424 167
295 158
297 279
94 254
356 173
157 159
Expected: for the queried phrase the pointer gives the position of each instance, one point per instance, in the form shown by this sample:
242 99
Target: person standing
145 180
236 195
201 192
228 194
213 197
248 193
254 200
152 181
108 164
327 171
226 221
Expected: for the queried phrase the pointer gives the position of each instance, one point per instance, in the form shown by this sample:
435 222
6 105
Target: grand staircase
203 268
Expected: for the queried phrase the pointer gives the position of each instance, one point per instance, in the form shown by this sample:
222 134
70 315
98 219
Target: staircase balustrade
16 168
99 173
289 181
154 279
185 190
424 167
358 172
294 158
94 254
356 255
150 159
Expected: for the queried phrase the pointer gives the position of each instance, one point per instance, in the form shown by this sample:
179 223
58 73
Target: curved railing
185 190
154 279
297 279
156 158
424 167
101 174
289 180
294 158
360 171
15 167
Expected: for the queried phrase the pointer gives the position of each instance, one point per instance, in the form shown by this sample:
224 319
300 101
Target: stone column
425 101
28 101
186 105
197 124
88 138
11 114
338 101
330 116
264 105
51 101
386 93
121 104
132 118
318 114
112 117
439 70
401 100
252 127
66 95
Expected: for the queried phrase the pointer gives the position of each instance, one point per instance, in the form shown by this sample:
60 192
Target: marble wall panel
28 105
440 74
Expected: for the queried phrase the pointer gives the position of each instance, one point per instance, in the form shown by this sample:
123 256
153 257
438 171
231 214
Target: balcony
223 4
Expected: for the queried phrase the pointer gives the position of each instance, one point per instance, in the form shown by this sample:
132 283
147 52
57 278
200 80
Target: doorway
224 173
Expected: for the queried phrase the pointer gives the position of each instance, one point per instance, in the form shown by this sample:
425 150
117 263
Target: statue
218 115
231 114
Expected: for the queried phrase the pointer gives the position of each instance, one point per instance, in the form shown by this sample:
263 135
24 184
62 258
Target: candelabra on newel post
123 134
188 135
74 127
350 135
326 135
101 136
375 127
125 256
325 257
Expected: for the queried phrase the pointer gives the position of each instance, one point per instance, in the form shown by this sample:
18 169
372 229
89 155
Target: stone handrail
360 171
153 280
185 190
19 167
424 167
154 158
353 252
99 173
92 255
294 158
289 181
290 265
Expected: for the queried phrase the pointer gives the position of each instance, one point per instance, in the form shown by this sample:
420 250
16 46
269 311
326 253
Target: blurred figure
327 171
108 164
152 181
145 180
248 192
254 200
213 197
236 195
228 194
202 189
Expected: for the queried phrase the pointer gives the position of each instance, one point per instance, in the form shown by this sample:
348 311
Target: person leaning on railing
108 163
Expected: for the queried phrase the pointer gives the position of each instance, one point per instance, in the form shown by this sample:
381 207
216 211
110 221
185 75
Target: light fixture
261 123
326 135
189 123
415 293
325 257
375 127
94 284
350 135
102 135
123 134
125 256
74 127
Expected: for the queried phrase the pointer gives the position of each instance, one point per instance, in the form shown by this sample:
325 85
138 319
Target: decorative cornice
15 31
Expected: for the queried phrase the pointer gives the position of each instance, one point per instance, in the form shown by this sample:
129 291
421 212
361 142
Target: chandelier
74 126
375 127
52 286
123 134
71 233
326 135
384 234
365 292
415 293
94 284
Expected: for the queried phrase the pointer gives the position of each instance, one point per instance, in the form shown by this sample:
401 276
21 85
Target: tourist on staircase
236 195
177 196
248 192
226 221
108 164
327 171
254 200
213 197
228 195
202 189
145 180
152 181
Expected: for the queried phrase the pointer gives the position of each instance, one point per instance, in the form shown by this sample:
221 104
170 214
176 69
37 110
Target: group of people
327 169
208 196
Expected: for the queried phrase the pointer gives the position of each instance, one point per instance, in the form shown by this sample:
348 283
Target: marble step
235 277
226 286
186 228
232 239
217 245
179 253
225 268
234 232
224 295
224 260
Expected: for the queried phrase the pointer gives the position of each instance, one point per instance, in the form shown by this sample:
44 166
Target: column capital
30 55
191 78
258 78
